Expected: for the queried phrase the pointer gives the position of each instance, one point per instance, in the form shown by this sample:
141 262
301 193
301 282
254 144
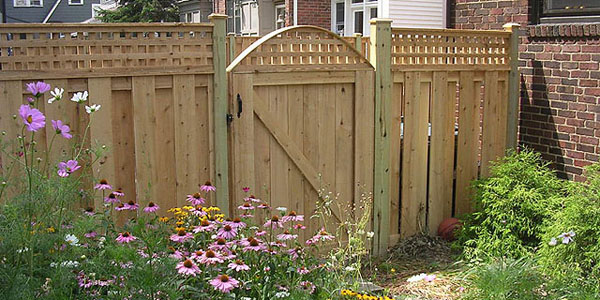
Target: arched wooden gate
302 106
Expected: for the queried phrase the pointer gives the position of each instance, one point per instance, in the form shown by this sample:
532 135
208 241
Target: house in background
53 11
345 17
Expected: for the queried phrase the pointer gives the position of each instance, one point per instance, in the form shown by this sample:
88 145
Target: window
188 17
566 11
28 3
75 2
373 13
279 16
358 21
338 18
96 10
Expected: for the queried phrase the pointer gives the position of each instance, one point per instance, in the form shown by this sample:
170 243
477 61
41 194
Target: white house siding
417 13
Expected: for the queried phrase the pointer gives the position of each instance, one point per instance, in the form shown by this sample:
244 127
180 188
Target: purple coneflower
227 232
119 193
238 265
246 189
125 238
33 118
111 198
286 235
38 88
205 226
224 283
320 237
89 211
103 185
299 226
61 128
220 244
263 206
131 205
295 252
211 257
120 207
66 168
208 187
254 245
237 223
90 235
151 207
196 199
260 233
187 267
274 223
181 236
196 255
307 286
252 198
303 270
292 216
246 206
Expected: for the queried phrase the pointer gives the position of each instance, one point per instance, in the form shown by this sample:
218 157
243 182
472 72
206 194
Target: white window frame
277 7
28 4
349 10
72 3
95 10
334 28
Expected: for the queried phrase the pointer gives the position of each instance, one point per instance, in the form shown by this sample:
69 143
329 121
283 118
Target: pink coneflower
263 206
90 235
292 216
208 187
66 168
37 88
125 238
252 198
176 253
227 232
286 235
151 207
187 267
61 128
303 270
224 283
111 198
254 245
205 226
237 223
295 252
119 193
246 206
120 207
274 223
103 185
238 265
220 244
246 216
198 212
131 205
211 257
260 233
195 199
197 255
181 236
89 211
246 189
33 119
307 286
320 237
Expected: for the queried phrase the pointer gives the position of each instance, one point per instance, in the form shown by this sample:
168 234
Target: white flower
282 294
552 242
80 97
92 108
281 209
22 250
567 237
57 94
52 265
70 264
370 234
72 240
350 269
416 278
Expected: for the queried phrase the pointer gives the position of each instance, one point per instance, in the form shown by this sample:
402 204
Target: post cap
357 34
510 26
217 16
378 20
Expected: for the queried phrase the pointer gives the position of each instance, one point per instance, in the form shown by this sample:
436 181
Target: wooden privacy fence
296 111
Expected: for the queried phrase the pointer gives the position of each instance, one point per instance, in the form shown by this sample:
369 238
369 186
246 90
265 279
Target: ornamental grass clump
511 208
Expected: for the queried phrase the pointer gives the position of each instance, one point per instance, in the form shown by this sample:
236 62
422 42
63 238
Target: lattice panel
427 48
95 47
303 48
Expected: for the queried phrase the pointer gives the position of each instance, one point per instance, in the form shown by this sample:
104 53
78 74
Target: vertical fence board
311 148
10 100
344 120
278 107
364 138
441 156
395 158
296 133
143 95
491 122
124 146
262 152
243 139
166 175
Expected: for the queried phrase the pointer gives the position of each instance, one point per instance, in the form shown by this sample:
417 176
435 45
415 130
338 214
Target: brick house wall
560 81
314 12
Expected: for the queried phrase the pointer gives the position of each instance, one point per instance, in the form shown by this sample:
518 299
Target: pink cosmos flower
125 238
205 226
103 185
33 119
30 100
187 267
131 205
61 128
66 168
293 217
224 283
181 236
286 235
195 199
274 223
211 257
208 187
246 206
238 266
38 88
151 207
227 232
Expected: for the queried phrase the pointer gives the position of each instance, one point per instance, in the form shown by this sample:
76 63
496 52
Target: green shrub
510 208
504 279
580 214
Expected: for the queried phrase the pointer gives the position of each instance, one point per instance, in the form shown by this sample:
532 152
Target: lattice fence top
299 48
438 48
102 48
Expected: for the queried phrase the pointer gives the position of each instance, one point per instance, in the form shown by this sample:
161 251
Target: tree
142 11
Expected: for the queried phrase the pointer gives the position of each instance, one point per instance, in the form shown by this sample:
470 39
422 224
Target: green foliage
142 11
504 279
579 214
510 207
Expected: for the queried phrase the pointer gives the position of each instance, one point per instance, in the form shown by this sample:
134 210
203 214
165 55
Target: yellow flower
179 228
164 219
393 270
174 209
179 223
187 207
50 229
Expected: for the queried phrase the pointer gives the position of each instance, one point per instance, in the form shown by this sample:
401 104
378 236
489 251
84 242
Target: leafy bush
510 208
504 279
571 242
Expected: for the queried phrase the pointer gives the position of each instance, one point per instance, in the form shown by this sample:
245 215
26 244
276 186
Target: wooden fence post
513 87
358 42
380 57
220 111
231 46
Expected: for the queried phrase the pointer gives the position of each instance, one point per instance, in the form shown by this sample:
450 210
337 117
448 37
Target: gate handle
239 104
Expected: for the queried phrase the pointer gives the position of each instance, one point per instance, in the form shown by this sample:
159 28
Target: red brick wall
314 12
560 81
